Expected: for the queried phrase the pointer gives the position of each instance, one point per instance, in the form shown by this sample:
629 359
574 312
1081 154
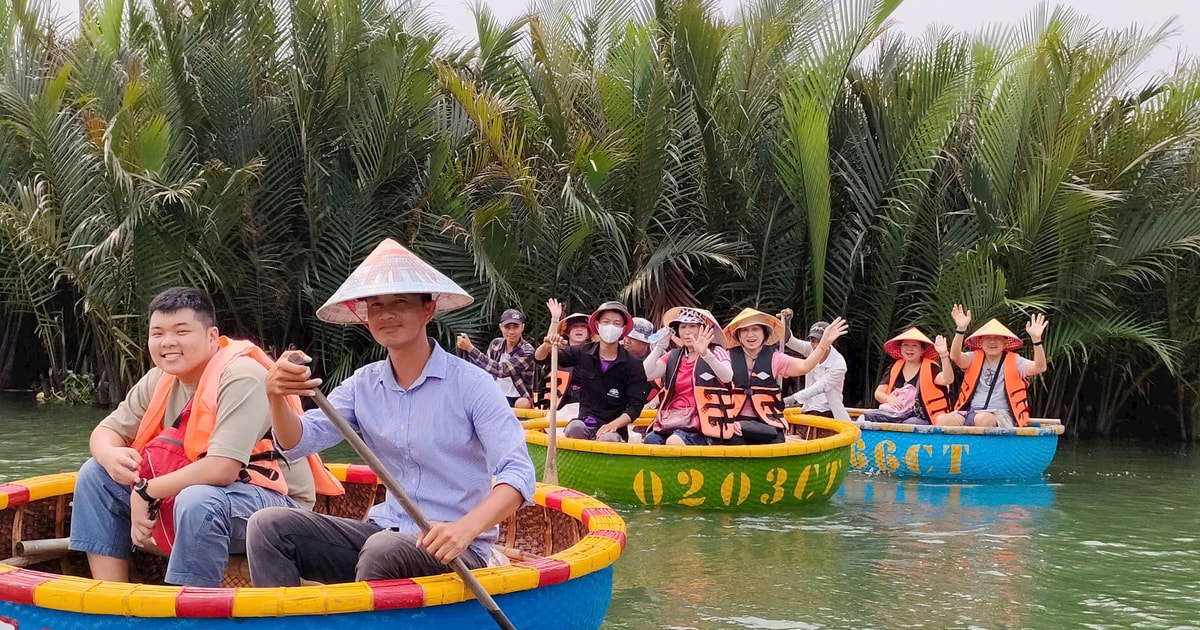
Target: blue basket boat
561 551
955 453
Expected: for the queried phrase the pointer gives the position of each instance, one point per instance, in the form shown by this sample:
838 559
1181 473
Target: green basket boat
809 468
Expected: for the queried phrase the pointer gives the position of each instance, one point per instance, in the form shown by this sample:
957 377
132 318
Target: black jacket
606 395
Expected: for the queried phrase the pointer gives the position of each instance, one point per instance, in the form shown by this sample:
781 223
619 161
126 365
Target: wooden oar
397 491
550 472
783 343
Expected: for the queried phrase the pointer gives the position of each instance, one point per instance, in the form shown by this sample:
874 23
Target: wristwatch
140 488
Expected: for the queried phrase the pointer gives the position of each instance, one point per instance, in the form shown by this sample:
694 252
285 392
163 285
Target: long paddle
784 319
397 491
550 472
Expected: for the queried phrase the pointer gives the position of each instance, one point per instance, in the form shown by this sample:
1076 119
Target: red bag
165 454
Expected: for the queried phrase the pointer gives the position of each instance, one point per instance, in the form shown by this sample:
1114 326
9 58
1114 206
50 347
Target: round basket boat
561 550
808 468
956 453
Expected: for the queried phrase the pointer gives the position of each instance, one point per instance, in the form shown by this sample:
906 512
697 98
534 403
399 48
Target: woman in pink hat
994 390
696 376
914 390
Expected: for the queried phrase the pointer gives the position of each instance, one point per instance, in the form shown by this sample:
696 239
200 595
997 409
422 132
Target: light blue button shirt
444 438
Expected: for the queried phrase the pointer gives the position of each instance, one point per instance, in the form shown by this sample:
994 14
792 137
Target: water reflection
955 552
1108 542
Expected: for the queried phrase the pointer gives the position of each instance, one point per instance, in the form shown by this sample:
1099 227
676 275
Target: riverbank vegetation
798 154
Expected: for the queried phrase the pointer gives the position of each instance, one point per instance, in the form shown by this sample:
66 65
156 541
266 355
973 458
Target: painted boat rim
846 434
597 550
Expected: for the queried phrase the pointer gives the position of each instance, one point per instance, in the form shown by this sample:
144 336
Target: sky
915 16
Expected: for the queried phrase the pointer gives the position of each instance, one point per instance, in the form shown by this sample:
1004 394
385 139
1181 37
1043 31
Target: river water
1107 540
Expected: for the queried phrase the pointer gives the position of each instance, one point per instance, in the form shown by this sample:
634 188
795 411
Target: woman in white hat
994 390
914 390
758 367
696 379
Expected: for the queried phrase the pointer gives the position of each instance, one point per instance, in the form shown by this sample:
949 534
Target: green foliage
797 155
76 389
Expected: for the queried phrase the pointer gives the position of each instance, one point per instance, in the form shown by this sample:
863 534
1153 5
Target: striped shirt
443 439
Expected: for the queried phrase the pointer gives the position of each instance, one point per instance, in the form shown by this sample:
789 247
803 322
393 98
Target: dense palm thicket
799 154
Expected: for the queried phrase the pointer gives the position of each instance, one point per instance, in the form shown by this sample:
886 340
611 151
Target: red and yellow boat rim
599 549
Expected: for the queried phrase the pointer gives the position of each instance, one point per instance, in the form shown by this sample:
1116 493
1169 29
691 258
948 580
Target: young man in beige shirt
214 495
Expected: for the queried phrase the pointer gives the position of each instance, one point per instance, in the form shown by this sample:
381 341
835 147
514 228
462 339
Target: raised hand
939 344
836 329
464 342
962 319
1036 326
555 308
785 314
703 340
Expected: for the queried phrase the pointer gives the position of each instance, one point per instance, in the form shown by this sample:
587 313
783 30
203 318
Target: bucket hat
611 306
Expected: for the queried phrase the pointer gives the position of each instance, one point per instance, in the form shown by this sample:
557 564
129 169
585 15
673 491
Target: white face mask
609 333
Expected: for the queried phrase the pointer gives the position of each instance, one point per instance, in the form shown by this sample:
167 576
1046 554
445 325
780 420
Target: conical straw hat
996 329
751 317
892 347
693 315
390 269
571 320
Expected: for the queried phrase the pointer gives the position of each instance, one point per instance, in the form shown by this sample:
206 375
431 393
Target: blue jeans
690 438
209 522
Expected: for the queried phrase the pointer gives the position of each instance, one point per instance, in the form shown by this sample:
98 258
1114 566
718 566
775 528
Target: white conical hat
391 268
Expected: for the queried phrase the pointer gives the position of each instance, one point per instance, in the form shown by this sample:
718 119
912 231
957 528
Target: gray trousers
285 545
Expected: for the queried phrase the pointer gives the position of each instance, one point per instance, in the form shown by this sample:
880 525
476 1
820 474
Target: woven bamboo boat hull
563 549
809 468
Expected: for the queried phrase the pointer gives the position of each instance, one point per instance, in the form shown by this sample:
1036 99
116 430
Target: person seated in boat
914 389
696 375
994 391
439 424
612 383
575 329
758 368
639 340
509 359
182 463
822 392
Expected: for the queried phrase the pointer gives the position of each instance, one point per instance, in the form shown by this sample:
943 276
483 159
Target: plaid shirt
518 367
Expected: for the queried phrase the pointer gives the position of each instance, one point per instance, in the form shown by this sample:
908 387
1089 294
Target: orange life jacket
1014 386
713 401
564 384
264 469
759 386
656 387
932 394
